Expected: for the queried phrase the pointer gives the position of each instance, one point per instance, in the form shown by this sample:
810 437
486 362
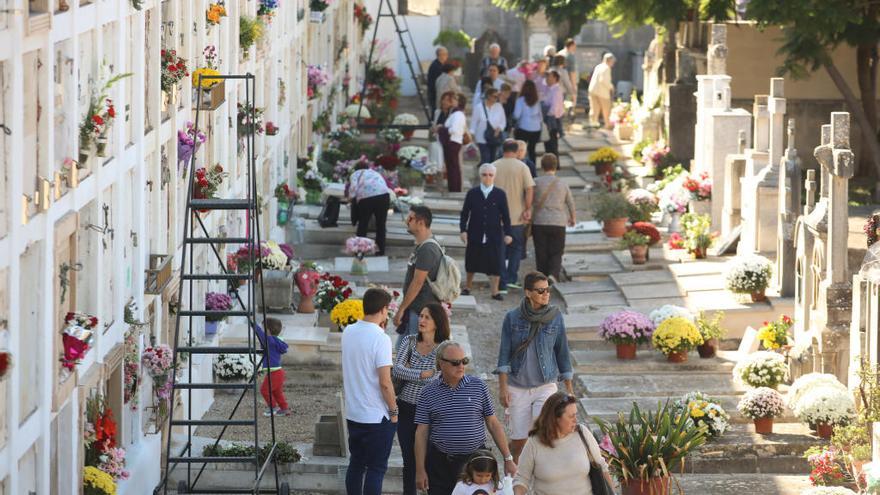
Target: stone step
606 362
667 384
607 408
585 264
579 326
747 463
740 484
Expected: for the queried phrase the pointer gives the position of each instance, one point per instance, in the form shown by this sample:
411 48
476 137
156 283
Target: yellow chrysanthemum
96 479
675 335
697 412
204 71
347 312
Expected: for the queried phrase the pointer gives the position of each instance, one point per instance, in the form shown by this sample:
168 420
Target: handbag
489 135
527 231
397 382
597 478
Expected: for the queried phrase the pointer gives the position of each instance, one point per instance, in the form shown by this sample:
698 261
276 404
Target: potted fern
612 209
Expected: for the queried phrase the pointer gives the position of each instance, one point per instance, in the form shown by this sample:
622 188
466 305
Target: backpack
446 287
329 213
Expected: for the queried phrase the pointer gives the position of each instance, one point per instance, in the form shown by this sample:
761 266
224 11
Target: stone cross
776 109
761 136
717 50
823 176
810 187
789 204
837 160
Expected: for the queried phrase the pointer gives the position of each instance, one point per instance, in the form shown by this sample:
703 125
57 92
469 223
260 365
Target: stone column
836 159
731 194
789 203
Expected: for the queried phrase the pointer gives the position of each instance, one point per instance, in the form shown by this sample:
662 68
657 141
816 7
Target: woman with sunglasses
532 359
556 458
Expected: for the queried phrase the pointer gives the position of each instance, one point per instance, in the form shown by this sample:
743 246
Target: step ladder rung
214 314
215 276
221 204
213 386
220 350
212 422
217 240
211 460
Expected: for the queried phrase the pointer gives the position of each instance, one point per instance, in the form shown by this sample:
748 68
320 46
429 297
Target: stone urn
626 350
708 349
614 227
764 426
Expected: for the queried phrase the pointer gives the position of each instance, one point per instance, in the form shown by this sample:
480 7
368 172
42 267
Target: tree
811 31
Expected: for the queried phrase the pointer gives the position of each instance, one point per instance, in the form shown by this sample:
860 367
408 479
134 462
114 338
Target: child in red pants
274 397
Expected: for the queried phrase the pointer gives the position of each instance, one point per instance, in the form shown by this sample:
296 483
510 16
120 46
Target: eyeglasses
540 290
487 175
457 362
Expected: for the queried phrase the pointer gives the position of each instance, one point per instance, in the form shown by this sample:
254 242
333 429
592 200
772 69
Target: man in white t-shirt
370 404
601 91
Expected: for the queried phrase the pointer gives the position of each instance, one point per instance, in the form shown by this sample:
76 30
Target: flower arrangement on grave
637 244
698 236
644 204
272 129
363 18
657 156
332 290
712 331
211 68
284 194
99 440
266 9
613 210
648 229
405 119
359 247
131 367
826 406
355 111
667 311
699 186
208 181
704 411
826 468
347 312
761 404
307 277
250 30
749 274
173 69
805 384
774 334
675 336
76 337
674 198
676 241
217 301
603 159
233 367
97 482
250 119
872 229
158 362
317 79
415 157
761 369
391 136
98 118
215 12
270 256
188 142
621 113
626 329
319 5
344 168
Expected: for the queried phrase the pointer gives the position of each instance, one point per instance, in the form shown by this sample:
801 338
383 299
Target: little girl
480 474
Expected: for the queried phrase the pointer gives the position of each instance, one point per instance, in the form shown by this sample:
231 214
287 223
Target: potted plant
173 70
347 312
621 118
603 160
749 274
647 446
612 209
626 329
648 229
825 406
250 120
711 330
697 233
675 337
637 245
332 290
158 363
306 279
359 247
233 368
667 311
774 334
97 482
761 369
285 195
406 119
805 384
207 182
643 202
704 411
215 301
700 188
761 405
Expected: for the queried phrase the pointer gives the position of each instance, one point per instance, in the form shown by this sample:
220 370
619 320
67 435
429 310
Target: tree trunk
872 149
669 48
866 64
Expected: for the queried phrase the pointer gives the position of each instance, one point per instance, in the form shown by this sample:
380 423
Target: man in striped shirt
452 416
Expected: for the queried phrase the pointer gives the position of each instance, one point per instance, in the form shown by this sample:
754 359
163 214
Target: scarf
536 318
486 190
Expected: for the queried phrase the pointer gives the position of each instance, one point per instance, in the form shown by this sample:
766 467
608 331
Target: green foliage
711 328
284 452
250 30
697 231
651 443
868 393
637 149
451 38
854 439
609 205
633 238
575 12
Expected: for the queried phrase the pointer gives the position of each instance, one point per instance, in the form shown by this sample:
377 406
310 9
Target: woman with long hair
528 116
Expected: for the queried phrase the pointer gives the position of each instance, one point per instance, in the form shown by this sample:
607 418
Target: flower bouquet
250 120
188 142
359 247
173 69
306 278
266 10
656 156
704 411
761 369
347 312
675 336
332 290
699 186
391 136
676 241
214 13
76 337
622 119
356 111
774 334
644 204
674 198
603 160
711 330
233 367
215 301
285 195
272 129
97 120
99 439
749 274
97 482
825 406
761 404
158 361
364 19
207 182
667 311
698 236
626 329
317 79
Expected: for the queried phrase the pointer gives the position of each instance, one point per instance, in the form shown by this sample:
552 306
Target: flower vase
759 296
763 426
359 265
211 328
639 254
101 146
708 349
699 253
824 430
83 158
674 223
626 350
677 357
283 212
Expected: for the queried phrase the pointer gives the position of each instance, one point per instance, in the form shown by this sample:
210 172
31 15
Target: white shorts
525 407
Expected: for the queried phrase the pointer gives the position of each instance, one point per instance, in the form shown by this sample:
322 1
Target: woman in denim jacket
533 358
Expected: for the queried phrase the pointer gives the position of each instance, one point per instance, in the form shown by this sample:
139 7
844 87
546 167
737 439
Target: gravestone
278 290
331 433
789 204
734 170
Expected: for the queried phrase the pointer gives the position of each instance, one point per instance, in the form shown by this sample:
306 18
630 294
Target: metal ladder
196 237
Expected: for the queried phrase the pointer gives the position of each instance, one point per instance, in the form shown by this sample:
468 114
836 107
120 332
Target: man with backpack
431 276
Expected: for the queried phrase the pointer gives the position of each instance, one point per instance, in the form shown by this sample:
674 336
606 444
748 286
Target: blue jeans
411 320
513 253
369 446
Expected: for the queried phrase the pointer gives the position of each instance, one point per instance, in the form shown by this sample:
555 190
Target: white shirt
478 90
456 123
462 488
365 349
478 120
601 84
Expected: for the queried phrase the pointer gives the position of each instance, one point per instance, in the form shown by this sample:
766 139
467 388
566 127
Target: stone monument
789 204
731 192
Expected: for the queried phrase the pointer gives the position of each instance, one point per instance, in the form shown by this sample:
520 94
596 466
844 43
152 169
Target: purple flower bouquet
627 327
188 142
217 301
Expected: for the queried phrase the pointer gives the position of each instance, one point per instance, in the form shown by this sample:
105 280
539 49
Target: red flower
346 292
93 321
68 317
218 168
97 120
172 68
111 112
786 319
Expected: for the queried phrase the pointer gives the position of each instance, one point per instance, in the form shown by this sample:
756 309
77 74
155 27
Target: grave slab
696 268
719 300
589 321
465 303
641 278
700 283
604 361
573 182
568 288
594 300
590 264
374 263
650 291
586 227
297 319
647 305
669 384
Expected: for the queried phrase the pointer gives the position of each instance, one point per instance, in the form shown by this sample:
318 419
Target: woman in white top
451 133
370 197
485 114
555 459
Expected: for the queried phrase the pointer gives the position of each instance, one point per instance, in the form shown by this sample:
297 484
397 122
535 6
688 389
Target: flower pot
708 348
358 266
677 357
758 296
699 253
306 305
407 135
83 158
283 212
211 328
101 147
626 351
316 17
650 486
674 223
614 227
763 426
824 430
623 132
639 254
603 168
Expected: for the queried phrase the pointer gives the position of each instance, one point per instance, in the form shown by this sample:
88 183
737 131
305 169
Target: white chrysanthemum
667 311
761 369
804 384
825 404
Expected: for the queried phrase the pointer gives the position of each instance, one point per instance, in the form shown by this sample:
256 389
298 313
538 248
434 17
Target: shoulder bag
527 231
492 139
597 477
397 382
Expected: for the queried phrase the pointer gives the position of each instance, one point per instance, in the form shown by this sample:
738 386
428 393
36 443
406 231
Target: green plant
609 205
650 444
450 38
637 149
697 231
711 328
633 238
284 452
868 394
250 30
603 155
854 439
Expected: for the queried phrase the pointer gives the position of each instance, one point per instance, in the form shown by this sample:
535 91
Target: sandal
465 292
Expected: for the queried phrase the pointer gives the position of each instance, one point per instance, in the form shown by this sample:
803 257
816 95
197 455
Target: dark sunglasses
569 399
541 290
457 362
